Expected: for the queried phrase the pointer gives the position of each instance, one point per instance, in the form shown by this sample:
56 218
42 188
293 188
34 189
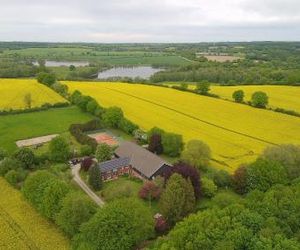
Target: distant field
235 133
222 58
287 97
22 126
22 227
13 92
89 54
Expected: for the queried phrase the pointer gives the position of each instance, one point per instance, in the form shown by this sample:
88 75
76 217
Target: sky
120 21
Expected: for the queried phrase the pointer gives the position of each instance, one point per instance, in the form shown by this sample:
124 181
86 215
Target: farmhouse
114 168
134 160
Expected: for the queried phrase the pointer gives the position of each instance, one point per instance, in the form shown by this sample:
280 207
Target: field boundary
195 118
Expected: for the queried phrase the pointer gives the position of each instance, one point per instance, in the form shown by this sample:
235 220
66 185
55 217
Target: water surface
144 72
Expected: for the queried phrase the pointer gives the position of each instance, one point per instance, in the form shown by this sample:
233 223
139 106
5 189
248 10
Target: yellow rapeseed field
22 227
13 92
235 133
287 97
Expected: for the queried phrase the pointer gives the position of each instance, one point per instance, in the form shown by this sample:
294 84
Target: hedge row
77 130
44 107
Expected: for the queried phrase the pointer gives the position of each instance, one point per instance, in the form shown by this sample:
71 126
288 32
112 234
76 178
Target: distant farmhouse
134 160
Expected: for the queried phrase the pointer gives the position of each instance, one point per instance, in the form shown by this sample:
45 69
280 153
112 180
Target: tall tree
103 152
259 99
155 145
76 210
112 117
188 172
95 179
59 149
121 224
177 199
197 153
238 96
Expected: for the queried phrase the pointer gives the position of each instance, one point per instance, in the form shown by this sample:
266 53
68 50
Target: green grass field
22 126
22 227
92 55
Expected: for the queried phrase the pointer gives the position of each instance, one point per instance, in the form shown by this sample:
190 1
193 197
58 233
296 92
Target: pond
144 72
64 63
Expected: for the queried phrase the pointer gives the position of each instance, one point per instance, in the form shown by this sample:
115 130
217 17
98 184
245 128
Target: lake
144 72
63 63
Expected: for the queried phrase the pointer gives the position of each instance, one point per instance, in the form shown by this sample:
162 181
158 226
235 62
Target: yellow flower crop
236 133
13 92
22 227
287 97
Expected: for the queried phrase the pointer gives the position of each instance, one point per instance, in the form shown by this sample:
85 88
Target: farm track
194 117
19 232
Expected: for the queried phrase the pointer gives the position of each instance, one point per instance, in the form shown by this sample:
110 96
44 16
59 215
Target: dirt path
84 187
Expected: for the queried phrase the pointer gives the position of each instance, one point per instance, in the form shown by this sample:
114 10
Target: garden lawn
119 188
24 126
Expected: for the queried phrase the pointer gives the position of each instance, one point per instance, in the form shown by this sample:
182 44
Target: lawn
22 227
122 187
23 126
235 133
13 92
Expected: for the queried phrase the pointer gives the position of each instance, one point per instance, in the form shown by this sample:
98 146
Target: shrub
172 144
203 87
208 187
103 152
53 195
222 179
112 117
259 99
239 180
46 78
263 174
8 164
86 150
127 126
287 155
26 157
149 191
59 149
14 177
86 163
3 154
155 144
238 96
197 153
34 187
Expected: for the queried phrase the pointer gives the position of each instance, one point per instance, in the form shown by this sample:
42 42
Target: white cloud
149 21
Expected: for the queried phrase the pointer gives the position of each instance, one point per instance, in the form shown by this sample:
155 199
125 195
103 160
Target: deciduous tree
121 224
197 153
76 210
